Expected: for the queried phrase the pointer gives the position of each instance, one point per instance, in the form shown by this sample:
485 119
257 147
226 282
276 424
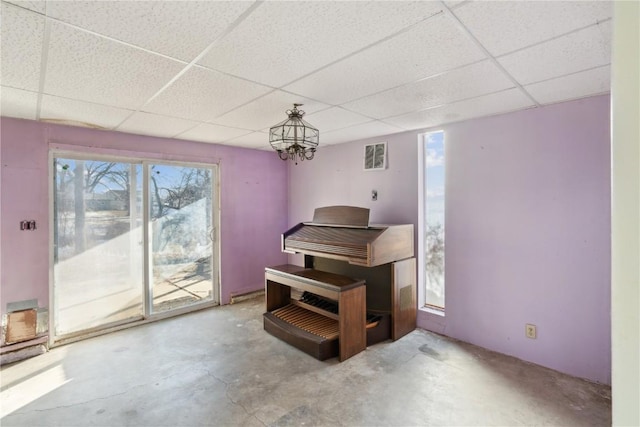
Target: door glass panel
97 233
181 236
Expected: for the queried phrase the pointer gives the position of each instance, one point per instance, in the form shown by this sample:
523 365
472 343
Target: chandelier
294 139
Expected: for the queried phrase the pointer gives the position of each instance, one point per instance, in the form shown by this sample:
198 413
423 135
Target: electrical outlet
530 331
28 225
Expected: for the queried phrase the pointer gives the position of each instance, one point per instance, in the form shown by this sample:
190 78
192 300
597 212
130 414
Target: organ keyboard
358 284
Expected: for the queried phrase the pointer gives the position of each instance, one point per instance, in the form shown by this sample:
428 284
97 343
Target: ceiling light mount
294 139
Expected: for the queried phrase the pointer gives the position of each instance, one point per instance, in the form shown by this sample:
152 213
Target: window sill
432 310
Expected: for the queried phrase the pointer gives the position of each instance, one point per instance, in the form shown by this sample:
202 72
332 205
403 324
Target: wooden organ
357 286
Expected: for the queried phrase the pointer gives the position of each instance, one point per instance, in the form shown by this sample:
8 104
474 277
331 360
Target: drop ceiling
224 72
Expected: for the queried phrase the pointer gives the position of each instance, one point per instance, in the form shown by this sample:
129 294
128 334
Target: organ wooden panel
353 310
342 215
403 299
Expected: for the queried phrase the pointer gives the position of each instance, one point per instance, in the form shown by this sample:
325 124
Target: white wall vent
375 156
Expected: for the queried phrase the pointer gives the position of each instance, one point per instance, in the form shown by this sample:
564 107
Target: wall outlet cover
530 331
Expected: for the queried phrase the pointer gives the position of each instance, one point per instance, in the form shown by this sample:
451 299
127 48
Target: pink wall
527 226
253 201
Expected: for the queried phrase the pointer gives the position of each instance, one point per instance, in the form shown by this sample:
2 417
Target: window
432 162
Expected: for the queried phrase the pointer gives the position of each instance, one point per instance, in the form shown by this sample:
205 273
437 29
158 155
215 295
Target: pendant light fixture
294 139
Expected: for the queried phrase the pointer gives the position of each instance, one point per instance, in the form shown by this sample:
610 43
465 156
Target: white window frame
422 291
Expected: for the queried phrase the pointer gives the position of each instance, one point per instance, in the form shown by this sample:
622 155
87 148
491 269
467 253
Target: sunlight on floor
24 392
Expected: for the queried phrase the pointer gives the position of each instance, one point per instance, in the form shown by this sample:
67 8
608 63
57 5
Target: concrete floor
218 367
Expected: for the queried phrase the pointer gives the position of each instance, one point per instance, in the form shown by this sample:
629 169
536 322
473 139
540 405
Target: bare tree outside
93 198
79 217
101 245
98 272
181 223
92 203
172 194
435 254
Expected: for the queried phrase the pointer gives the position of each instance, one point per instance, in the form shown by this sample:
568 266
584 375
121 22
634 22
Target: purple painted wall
253 201
527 227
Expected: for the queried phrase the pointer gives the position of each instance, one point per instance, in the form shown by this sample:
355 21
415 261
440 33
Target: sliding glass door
131 239
181 235
97 248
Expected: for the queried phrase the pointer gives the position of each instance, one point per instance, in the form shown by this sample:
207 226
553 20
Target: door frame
147 316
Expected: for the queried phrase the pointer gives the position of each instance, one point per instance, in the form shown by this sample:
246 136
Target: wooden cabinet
391 289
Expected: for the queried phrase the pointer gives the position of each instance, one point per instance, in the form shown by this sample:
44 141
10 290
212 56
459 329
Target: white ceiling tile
258 140
362 131
451 4
577 51
18 103
334 118
267 111
93 115
578 85
206 132
180 29
282 41
386 59
35 5
500 102
22 38
90 68
201 94
504 26
432 47
152 124
466 82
